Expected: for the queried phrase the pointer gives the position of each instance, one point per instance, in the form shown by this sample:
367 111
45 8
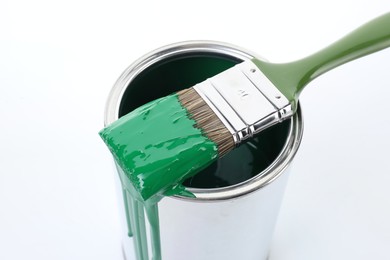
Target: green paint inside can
251 158
177 73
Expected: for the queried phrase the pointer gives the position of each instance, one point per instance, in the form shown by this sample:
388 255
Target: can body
229 218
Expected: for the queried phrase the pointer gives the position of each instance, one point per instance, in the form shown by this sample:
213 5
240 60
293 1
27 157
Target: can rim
272 172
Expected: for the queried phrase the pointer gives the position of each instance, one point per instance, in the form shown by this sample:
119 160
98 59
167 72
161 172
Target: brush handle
292 77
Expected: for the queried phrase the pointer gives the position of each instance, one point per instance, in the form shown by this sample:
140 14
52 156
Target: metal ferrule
245 100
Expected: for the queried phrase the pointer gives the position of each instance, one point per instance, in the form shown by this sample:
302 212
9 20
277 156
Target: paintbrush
164 142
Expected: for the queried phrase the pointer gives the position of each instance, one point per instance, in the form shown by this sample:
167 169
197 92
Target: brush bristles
206 120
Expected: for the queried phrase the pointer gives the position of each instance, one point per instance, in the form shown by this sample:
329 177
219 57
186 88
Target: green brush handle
291 78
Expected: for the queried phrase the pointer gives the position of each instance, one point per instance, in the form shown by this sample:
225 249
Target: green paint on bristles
158 147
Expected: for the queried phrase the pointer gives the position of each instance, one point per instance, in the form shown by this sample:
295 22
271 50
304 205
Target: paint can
237 198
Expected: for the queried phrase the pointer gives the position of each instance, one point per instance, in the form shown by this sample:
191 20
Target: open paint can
237 198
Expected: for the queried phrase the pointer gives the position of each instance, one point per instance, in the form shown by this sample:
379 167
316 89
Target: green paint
135 215
138 226
128 208
158 147
292 77
152 214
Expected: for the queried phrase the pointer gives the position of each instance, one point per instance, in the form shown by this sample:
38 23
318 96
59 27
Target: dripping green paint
135 218
157 148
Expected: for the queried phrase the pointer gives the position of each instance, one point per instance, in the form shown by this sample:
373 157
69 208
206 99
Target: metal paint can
230 217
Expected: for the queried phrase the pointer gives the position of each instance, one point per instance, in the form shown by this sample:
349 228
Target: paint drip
156 147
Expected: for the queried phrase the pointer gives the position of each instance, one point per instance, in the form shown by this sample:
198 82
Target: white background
59 59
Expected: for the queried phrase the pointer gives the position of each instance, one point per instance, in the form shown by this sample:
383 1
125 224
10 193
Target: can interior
184 71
